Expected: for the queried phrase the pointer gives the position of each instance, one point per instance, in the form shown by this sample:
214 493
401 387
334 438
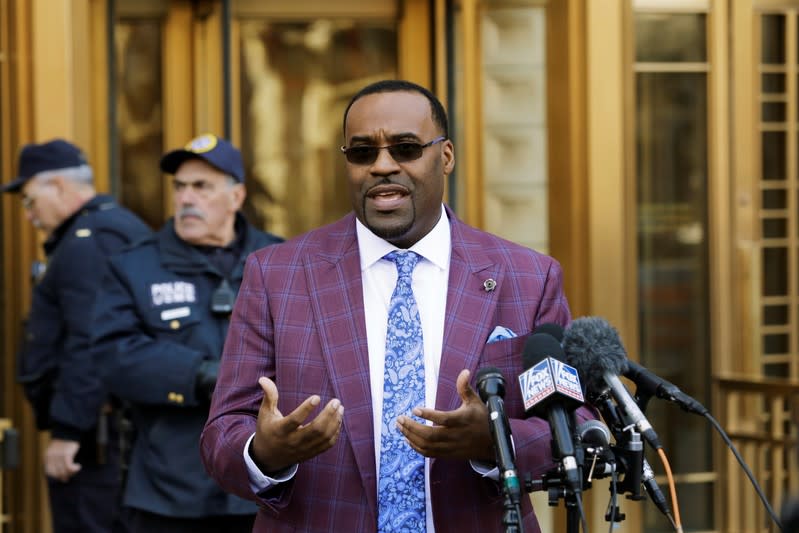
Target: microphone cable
746 469
676 522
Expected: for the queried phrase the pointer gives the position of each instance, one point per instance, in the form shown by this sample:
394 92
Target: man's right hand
281 441
59 459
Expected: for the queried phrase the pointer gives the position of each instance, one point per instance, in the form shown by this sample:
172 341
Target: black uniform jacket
155 325
55 366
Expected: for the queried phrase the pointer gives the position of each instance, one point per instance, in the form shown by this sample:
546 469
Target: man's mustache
191 211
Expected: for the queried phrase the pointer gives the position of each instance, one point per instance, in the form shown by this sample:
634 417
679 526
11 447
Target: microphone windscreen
550 328
594 348
538 347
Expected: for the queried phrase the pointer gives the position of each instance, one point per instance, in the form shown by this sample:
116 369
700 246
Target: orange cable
672 490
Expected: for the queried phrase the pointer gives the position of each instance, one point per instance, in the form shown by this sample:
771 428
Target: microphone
594 433
653 489
593 347
550 328
549 387
595 438
653 385
491 387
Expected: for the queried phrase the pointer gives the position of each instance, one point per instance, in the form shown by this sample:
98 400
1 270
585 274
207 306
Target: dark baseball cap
214 150
37 158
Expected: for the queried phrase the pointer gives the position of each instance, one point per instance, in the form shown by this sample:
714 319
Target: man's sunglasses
401 152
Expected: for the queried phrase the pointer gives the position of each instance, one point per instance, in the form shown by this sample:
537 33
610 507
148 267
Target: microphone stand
511 518
558 486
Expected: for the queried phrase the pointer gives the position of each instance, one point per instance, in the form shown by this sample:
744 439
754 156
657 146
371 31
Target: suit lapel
469 312
334 277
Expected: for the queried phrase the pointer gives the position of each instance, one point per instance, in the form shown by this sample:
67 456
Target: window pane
775 344
296 80
672 175
774 155
773 39
775 228
775 272
775 315
138 136
774 199
665 37
773 83
773 111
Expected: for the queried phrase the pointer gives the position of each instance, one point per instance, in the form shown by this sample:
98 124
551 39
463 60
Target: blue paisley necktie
400 494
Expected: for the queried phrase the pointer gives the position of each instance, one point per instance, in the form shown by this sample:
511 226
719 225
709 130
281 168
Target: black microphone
491 387
550 328
549 388
595 438
594 433
653 385
594 348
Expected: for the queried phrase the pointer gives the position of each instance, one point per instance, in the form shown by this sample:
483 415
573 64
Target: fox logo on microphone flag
547 377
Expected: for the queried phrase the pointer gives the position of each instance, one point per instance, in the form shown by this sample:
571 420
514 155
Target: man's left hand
460 434
59 459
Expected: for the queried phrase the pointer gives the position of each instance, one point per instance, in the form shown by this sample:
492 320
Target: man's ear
60 184
448 154
239 195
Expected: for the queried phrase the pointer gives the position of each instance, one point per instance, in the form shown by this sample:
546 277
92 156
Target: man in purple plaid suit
295 422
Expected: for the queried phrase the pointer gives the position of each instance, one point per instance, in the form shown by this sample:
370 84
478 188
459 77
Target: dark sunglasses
401 152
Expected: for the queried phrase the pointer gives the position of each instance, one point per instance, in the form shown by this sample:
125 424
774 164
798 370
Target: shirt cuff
488 470
259 482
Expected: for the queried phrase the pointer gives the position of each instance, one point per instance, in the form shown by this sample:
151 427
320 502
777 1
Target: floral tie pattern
400 494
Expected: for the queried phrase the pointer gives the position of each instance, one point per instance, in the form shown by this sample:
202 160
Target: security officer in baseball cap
55 183
160 330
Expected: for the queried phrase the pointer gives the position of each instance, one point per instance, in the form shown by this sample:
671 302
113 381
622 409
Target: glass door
294 70
273 76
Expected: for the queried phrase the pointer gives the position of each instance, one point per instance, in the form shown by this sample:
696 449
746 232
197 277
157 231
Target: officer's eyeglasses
401 152
28 202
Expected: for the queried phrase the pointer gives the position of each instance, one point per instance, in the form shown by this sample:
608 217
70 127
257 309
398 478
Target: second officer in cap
160 330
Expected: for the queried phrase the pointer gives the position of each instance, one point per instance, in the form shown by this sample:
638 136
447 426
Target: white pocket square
500 333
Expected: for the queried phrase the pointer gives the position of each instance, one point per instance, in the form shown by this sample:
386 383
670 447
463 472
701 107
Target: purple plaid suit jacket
299 319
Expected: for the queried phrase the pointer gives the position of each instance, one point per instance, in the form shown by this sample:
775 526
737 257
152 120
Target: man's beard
390 233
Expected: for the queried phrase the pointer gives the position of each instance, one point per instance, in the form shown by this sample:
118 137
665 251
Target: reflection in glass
139 129
296 80
666 37
672 188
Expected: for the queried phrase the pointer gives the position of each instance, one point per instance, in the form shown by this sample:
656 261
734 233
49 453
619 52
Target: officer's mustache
191 211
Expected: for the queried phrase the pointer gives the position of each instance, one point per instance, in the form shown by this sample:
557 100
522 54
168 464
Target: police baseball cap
36 158
214 150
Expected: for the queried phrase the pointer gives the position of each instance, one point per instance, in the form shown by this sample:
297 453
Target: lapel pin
489 285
